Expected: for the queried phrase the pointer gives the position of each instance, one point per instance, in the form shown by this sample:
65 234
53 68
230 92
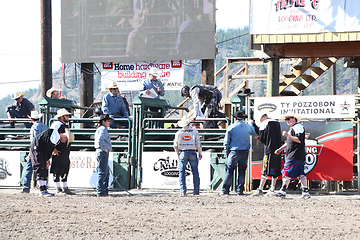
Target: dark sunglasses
288 118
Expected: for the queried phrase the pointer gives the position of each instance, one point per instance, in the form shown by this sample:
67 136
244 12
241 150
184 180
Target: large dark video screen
137 30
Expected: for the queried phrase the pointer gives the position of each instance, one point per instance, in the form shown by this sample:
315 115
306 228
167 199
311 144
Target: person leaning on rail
21 108
113 104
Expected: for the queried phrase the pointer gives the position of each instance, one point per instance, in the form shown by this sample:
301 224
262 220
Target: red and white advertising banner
10 168
83 170
304 16
161 171
329 151
130 76
308 107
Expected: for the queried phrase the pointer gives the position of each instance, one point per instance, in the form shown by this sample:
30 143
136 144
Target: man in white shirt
186 142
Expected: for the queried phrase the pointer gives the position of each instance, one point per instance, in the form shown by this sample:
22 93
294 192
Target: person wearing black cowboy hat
103 146
237 145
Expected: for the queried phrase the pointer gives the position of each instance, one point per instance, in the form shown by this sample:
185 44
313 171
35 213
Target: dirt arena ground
166 215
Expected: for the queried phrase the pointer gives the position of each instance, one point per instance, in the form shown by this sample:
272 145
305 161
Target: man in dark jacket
61 163
41 148
21 108
270 136
206 99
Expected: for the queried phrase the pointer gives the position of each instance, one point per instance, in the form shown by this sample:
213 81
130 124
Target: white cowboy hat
61 112
297 116
113 85
183 122
35 115
50 91
154 71
17 95
70 136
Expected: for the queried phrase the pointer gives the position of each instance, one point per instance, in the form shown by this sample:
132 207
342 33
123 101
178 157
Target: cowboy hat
154 71
297 116
240 115
17 95
113 85
50 91
70 136
183 122
105 117
61 112
245 92
35 115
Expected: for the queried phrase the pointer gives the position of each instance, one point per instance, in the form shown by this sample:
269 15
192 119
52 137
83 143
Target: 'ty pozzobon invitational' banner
328 144
308 107
130 76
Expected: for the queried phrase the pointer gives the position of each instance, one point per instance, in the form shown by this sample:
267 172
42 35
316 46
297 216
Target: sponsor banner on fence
130 76
308 107
304 16
10 168
329 151
83 170
161 171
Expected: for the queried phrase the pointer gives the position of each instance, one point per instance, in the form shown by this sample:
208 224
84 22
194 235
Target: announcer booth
328 133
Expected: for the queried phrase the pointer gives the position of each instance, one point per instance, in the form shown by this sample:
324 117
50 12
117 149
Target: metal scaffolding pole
46 47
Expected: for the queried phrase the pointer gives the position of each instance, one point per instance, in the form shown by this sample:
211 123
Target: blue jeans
114 125
238 158
27 175
103 172
16 114
189 156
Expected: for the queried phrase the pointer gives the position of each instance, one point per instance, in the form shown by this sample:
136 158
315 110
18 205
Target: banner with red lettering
329 151
130 76
83 170
304 16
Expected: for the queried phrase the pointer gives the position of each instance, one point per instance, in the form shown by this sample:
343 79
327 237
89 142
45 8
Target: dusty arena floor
166 215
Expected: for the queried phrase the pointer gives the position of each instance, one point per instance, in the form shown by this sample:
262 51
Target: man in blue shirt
152 83
113 104
103 147
20 109
236 145
37 128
